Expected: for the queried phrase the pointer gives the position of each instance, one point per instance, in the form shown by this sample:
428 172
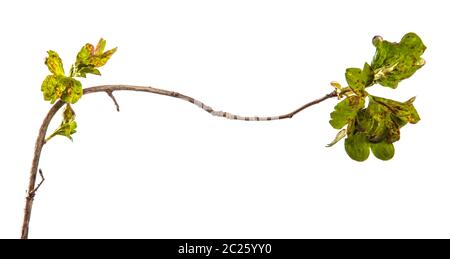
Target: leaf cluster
373 123
58 86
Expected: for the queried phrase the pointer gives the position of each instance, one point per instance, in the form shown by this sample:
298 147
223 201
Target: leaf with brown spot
54 63
394 62
90 58
345 111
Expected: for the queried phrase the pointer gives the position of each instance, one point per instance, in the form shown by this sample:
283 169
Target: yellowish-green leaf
65 88
100 47
52 88
345 111
358 79
54 63
394 62
84 54
68 114
100 60
68 125
88 70
73 91
404 111
90 58
65 129
340 135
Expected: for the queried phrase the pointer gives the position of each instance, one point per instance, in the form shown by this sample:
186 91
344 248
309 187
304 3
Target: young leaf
68 114
65 88
358 79
357 147
394 62
341 134
90 58
51 88
384 151
345 111
88 70
73 91
65 129
68 125
100 60
54 63
100 47
84 54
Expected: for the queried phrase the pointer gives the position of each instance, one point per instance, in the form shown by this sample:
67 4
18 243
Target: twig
290 115
110 94
40 141
33 192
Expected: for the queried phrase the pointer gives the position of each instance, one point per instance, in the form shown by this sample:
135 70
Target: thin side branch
110 94
32 193
109 89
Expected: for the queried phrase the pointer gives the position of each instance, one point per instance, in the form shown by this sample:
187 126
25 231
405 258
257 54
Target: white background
162 168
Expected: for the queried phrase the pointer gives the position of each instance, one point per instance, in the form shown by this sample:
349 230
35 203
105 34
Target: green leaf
65 129
345 111
65 88
88 70
73 91
54 63
384 151
394 62
51 88
84 54
392 131
383 118
68 114
90 58
357 147
405 111
68 125
369 123
358 79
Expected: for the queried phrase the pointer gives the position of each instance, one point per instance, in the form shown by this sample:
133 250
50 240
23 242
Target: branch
109 89
40 141
110 94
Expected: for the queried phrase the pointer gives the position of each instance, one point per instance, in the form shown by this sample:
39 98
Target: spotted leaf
90 58
68 125
345 111
394 62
